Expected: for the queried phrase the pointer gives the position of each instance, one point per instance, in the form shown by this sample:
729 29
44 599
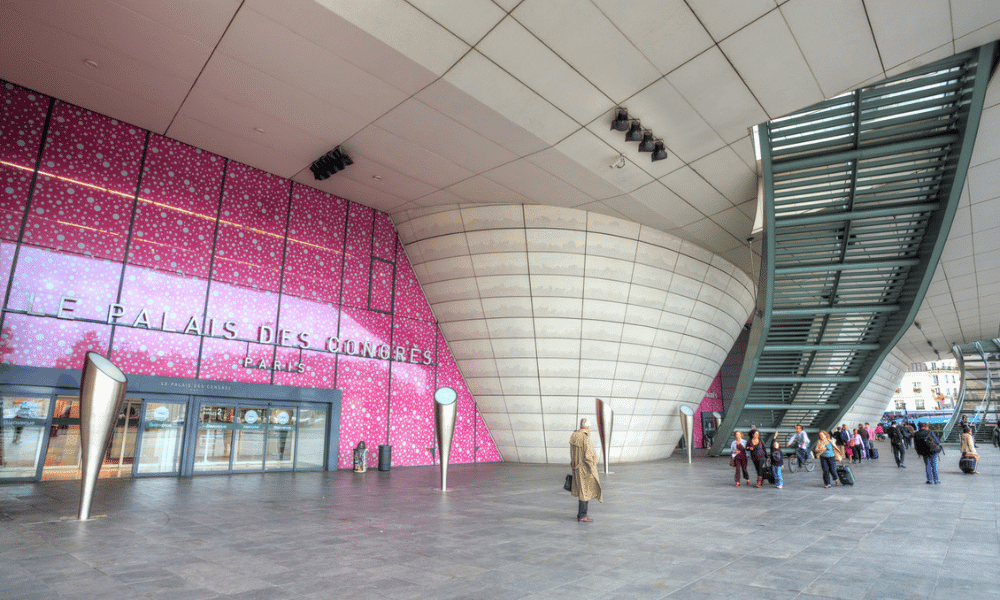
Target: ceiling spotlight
648 142
621 120
659 152
333 161
634 132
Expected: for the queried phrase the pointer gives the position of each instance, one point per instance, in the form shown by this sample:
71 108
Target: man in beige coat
583 461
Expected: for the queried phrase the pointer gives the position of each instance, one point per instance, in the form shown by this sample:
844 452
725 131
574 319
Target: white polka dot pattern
80 231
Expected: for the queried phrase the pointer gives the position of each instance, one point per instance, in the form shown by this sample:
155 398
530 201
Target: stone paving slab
667 529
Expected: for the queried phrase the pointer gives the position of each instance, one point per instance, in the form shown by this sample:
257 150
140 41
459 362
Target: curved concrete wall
874 399
547 308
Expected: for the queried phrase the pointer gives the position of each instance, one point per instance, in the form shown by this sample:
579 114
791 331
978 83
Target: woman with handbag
739 457
969 448
758 454
829 455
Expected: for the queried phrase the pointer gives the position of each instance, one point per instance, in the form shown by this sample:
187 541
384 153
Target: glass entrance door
281 439
23 435
162 437
62 459
250 431
213 449
240 437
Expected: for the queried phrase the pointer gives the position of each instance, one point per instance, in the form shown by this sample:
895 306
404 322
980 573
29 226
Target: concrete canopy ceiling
443 102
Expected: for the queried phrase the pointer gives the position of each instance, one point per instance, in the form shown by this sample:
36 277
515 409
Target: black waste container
384 457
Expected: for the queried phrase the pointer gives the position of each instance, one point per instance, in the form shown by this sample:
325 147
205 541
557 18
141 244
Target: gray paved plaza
667 529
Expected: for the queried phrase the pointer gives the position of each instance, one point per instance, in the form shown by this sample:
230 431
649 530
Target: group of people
856 444
755 449
841 444
830 448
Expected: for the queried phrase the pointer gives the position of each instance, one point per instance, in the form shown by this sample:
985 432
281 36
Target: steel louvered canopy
858 195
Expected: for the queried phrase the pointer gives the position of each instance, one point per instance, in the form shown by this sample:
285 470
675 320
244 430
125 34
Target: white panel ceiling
476 101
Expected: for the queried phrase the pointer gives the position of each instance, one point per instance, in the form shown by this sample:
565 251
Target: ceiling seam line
203 67
871 29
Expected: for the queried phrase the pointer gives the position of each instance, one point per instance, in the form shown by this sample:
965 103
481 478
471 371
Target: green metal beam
865 213
858 194
794 406
847 266
835 310
805 379
819 347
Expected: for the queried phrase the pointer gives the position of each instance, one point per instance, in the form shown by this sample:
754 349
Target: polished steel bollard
102 391
687 426
605 424
445 411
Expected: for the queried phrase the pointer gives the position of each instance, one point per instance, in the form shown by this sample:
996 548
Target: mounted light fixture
333 161
621 121
659 152
634 132
648 142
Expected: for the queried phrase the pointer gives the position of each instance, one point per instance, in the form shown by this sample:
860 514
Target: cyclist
800 441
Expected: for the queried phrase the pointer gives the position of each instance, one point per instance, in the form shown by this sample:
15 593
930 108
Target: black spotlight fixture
634 132
659 152
648 143
333 161
621 121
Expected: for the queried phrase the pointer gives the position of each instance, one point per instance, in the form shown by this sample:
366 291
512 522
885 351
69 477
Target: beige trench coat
583 461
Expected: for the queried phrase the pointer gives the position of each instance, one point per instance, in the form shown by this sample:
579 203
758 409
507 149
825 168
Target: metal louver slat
858 195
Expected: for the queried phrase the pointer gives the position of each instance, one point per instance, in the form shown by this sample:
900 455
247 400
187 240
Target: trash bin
384 457
360 458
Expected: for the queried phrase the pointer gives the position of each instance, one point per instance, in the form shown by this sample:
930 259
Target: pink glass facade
711 402
176 262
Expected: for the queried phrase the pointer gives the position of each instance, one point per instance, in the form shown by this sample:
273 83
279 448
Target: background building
928 386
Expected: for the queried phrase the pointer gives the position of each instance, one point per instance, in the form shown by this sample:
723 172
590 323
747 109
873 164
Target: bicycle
807 462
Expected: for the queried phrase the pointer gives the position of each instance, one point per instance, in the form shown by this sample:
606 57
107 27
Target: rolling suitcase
845 475
768 473
967 464
874 453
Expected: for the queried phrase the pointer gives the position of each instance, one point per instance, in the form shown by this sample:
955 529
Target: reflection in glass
24 431
162 433
215 438
281 439
249 439
120 454
62 459
312 436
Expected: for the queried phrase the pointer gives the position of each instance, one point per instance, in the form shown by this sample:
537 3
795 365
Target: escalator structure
856 197
979 398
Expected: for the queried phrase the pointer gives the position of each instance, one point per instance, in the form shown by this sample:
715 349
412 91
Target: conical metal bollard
605 425
445 412
102 391
687 426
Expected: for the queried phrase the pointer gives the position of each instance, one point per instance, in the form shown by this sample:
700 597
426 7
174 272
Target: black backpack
895 436
924 443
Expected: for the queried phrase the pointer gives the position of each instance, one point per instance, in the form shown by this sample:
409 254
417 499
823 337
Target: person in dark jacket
777 461
758 454
928 446
865 442
898 444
